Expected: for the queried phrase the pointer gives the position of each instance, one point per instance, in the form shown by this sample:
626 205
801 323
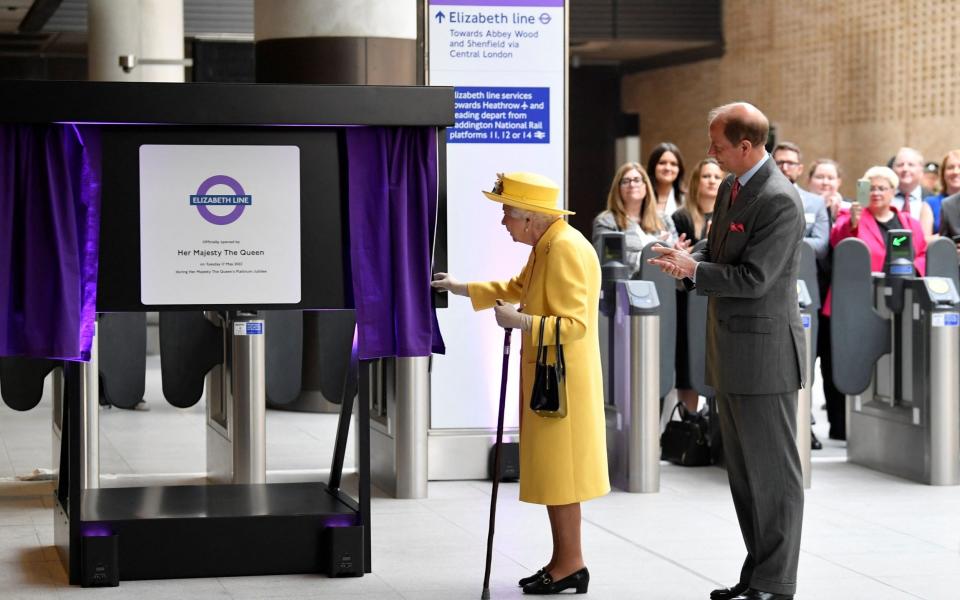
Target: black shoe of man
729 593
752 594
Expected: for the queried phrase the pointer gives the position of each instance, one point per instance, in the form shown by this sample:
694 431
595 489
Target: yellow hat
528 191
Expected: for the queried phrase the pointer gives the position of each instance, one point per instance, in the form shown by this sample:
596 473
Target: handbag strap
676 407
561 366
541 353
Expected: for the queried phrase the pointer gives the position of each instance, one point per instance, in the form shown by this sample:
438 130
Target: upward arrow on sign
439 16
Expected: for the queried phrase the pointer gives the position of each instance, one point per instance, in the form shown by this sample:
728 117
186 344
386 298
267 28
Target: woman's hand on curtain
445 281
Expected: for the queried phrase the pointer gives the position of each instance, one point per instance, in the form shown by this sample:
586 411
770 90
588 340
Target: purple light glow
342 521
94 530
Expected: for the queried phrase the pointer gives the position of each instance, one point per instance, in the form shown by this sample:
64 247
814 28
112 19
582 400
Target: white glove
509 317
445 281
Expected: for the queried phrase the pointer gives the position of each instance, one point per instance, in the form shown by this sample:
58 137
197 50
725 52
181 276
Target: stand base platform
211 530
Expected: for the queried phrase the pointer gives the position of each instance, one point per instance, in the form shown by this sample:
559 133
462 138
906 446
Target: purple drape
392 213
49 226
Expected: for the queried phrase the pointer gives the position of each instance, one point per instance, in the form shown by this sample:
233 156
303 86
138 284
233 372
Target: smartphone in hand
863 192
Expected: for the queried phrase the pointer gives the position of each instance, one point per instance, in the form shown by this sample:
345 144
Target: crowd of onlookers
662 202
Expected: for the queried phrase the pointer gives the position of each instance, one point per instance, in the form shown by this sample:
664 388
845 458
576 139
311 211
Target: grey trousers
763 465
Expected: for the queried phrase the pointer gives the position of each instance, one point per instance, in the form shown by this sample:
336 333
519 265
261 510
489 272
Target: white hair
883 173
538 218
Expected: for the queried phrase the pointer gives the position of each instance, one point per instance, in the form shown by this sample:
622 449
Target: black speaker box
343 551
509 461
100 558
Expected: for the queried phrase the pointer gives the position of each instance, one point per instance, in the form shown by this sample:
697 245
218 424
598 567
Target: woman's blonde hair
649 219
693 195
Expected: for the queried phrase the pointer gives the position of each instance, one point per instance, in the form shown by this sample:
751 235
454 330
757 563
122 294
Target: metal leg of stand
412 421
90 420
363 469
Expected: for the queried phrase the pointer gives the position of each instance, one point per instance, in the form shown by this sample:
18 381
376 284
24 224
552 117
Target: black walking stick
485 595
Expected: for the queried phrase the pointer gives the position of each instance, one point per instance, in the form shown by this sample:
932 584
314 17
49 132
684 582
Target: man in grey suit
749 270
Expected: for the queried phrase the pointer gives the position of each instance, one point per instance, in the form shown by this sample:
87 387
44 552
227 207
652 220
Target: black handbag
549 395
686 442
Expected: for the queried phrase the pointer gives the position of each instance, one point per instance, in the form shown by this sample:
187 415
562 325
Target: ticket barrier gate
896 344
808 315
633 378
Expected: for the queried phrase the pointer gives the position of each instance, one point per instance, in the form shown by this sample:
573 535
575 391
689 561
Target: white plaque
219 224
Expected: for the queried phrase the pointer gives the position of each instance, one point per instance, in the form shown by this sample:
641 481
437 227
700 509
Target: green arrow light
899 240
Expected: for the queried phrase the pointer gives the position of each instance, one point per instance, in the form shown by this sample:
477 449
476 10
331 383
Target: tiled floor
866 535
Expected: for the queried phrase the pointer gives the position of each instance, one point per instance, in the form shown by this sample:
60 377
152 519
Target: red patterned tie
734 191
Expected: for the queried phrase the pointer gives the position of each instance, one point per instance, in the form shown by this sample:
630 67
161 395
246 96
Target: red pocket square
738 227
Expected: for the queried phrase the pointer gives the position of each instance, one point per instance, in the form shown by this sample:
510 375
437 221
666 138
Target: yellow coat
562 461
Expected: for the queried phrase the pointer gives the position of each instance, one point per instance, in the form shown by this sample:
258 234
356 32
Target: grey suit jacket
817 231
950 216
749 270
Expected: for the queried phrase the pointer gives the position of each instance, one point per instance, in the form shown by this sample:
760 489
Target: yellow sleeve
484 294
567 296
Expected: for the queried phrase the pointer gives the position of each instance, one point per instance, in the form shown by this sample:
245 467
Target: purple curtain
392 213
49 228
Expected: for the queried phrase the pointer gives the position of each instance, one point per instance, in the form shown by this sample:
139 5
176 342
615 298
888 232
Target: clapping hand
683 243
676 263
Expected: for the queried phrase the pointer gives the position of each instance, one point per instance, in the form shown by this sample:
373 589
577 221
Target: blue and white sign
945 319
506 60
248 328
501 115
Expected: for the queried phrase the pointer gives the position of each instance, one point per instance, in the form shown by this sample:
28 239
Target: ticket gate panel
633 420
907 420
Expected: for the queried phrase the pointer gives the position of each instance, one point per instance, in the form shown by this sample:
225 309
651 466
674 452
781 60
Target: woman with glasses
871 224
632 209
665 169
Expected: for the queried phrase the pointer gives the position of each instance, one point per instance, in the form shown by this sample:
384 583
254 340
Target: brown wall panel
850 80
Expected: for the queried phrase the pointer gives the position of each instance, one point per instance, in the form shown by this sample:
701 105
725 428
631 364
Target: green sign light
899 240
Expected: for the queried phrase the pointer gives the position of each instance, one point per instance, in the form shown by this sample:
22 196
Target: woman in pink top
872 223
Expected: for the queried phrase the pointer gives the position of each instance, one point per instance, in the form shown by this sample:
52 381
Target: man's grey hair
908 150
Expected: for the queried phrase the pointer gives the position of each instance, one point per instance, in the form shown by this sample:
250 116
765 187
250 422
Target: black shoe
729 593
838 435
814 442
532 578
752 594
546 585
